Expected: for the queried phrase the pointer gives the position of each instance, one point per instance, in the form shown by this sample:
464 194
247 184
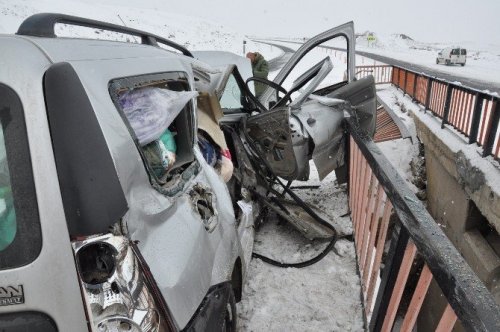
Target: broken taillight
118 292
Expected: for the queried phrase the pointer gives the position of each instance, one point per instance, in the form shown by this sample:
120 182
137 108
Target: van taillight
118 292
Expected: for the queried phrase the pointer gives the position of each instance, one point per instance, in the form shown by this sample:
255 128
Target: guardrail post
428 94
490 139
413 98
404 84
399 241
476 118
449 90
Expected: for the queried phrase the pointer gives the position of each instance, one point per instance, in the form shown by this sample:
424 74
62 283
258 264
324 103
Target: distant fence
473 113
386 214
381 73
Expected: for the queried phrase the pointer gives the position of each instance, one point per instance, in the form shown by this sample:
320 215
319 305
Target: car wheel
437 61
463 64
447 62
229 323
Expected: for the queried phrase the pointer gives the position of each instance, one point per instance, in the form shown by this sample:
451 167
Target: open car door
306 122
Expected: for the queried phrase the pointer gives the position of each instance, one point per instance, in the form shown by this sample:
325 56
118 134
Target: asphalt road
466 81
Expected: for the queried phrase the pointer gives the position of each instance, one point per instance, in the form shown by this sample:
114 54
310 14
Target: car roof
75 49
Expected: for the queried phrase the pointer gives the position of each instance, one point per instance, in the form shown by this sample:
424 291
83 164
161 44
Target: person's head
251 56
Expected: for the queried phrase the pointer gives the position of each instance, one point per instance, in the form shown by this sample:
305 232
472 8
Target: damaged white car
132 176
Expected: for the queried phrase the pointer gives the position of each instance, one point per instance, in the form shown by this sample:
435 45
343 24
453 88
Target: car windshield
231 97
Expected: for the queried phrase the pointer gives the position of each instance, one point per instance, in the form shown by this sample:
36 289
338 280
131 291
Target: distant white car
452 55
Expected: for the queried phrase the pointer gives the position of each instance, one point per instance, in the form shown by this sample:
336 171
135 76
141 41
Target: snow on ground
322 297
401 151
453 139
483 61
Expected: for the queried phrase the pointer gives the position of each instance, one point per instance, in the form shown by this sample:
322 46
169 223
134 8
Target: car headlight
116 288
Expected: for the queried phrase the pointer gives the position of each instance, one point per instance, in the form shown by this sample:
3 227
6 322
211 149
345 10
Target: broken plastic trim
203 201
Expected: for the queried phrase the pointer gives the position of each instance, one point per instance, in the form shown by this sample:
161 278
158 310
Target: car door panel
270 132
362 97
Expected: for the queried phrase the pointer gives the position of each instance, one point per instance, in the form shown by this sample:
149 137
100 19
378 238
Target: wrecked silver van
117 217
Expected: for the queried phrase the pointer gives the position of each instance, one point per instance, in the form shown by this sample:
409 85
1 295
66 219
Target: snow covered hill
194 33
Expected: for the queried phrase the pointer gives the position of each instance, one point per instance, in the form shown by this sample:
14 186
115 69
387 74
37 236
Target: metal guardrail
474 113
381 73
385 212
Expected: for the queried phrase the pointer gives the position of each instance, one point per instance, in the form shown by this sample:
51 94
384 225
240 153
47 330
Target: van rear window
20 235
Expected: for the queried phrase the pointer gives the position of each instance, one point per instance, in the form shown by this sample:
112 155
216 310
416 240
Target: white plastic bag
151 110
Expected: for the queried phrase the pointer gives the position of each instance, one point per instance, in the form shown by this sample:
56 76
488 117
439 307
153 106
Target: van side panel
50 282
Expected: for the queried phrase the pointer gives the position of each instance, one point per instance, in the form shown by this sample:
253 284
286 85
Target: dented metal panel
323 124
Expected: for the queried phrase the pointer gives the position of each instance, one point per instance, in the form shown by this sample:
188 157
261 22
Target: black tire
230 317
447 62
463 64
437 61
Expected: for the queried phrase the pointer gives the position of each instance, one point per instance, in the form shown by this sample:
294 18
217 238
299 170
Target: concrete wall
464 205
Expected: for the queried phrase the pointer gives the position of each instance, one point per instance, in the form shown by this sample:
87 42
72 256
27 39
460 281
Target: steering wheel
300 82
286 97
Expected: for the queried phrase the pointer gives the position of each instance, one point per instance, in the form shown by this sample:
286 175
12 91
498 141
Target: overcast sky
425 20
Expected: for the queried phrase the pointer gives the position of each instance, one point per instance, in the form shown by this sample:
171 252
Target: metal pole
449 90
492 130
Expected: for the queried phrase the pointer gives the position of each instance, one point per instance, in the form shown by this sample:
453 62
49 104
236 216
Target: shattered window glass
158 109
7 212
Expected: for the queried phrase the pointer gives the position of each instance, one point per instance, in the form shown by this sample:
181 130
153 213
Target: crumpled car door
278 134
315 116
345 30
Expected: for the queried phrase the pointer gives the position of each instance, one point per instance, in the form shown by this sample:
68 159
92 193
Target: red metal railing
385 213
386 129
474 113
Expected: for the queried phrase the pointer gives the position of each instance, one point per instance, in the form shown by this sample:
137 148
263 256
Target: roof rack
42 25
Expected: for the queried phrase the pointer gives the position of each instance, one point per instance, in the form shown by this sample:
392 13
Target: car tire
230 318
437 61
447 62
463 64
